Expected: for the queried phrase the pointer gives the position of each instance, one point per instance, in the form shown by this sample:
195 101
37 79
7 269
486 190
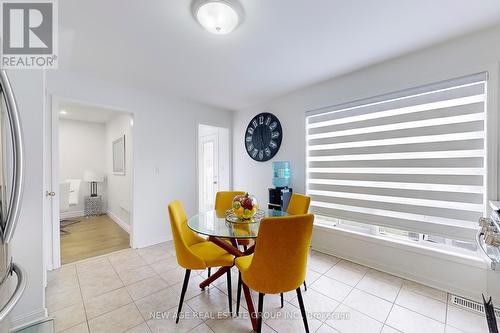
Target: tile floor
119 292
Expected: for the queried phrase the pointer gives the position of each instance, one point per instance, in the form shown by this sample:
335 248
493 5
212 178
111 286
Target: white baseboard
118 221
454 275
28 319
71 214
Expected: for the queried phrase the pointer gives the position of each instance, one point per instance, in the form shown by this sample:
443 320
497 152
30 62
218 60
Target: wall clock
263 137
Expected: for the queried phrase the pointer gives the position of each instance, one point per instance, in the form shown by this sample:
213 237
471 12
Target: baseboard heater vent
467 304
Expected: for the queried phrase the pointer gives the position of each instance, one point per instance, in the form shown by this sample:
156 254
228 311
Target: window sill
473 259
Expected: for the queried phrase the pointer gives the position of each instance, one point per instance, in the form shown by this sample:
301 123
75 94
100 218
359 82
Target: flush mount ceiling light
217 16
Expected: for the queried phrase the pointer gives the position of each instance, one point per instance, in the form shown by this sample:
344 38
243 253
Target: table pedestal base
233 249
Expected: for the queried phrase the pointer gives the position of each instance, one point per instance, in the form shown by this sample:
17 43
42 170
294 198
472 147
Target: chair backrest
281 250
64 196
299 204
224 199
184 237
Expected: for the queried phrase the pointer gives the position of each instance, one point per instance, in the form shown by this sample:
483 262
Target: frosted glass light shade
92 176
218 17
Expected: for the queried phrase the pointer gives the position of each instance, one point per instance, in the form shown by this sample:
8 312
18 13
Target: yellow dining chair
194 252
223 202
224 199
299 204
279 262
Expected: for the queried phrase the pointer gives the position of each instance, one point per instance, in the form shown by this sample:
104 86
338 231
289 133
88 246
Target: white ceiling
282 45
75 111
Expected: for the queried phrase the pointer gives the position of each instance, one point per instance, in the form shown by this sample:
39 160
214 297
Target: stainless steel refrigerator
12 276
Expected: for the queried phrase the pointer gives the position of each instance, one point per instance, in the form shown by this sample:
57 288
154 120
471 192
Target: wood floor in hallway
90 237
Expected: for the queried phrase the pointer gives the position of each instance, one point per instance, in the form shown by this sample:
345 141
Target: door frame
51 219
202 140
224 159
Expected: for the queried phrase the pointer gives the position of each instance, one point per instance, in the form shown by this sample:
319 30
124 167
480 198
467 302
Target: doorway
92 189
213 164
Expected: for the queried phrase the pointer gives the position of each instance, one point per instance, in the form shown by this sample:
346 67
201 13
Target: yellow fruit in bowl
239 212
244 206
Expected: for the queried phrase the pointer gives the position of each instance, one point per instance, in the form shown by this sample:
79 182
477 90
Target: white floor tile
326 329
451 329
370 305
135 274
203 328
101 286
57 301
211 302
118 320
64 272
289 319
331 288
427 306
317 305
408 321
347 272
158 302
146 287
380 284
388 329
234 325
466 321
62 283
348 320
69 317
99 305
186 322
320 262
80 328
424 290
156 281
142 328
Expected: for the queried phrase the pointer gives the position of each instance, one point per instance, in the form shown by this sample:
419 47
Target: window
412 163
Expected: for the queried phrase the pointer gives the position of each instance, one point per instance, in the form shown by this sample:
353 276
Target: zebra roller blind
414 160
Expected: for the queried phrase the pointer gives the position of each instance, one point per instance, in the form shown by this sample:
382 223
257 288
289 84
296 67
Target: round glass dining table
214 225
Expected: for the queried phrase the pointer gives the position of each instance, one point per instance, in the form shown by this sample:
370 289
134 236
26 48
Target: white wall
119 187
470 54
164 145
467 55
27 241
81 147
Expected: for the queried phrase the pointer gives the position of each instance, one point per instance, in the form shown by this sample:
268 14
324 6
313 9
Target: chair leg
305 285
183 292
281 295
259 312
229 292
238 296
302 309
209 271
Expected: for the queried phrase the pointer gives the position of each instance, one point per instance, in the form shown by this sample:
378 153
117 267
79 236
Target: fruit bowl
245 206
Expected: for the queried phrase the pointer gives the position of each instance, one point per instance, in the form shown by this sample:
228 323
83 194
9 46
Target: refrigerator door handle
18 158
18 292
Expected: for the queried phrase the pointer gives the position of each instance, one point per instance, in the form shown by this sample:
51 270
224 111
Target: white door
209 170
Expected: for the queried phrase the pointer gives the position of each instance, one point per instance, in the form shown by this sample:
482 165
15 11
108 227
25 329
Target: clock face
263 137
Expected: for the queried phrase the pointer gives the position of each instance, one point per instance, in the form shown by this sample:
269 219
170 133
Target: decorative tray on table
231 217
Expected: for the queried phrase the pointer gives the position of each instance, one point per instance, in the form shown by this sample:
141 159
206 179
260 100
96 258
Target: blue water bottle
281 174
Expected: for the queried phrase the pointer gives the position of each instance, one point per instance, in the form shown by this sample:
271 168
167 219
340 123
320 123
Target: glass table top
213 223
